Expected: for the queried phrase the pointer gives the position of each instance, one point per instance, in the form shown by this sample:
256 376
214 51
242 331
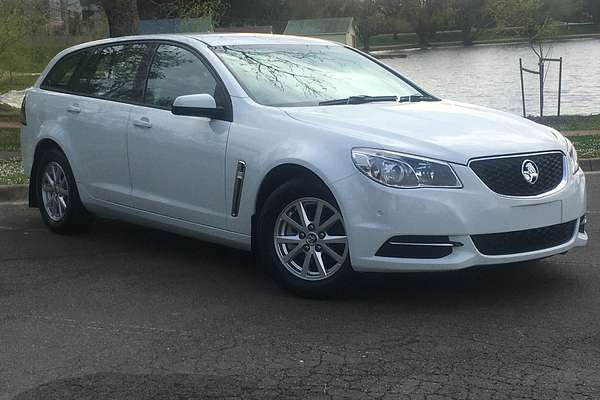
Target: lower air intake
497 244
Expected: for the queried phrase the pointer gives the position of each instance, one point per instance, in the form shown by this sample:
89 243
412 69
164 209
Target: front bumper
374 213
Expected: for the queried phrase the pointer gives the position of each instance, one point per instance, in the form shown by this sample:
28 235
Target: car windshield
306 75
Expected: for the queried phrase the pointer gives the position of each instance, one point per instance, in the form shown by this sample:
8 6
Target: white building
340 30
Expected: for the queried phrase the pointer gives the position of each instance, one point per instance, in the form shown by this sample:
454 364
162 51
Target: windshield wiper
358 100
415 99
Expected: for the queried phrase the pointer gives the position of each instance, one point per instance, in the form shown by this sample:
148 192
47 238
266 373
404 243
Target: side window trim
154 49
141 77
153 46
91 59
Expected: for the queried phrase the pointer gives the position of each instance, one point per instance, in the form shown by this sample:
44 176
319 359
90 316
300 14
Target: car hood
445 130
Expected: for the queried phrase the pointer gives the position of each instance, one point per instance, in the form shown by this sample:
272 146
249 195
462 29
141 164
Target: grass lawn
571 122
9 139
11 172
19 82
8 114
587 146
485 35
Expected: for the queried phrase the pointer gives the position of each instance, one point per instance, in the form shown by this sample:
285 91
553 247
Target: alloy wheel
310 239
55 191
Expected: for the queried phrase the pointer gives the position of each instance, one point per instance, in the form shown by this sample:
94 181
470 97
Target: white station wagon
319 157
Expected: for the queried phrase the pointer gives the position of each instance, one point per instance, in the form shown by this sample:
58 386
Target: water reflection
489 76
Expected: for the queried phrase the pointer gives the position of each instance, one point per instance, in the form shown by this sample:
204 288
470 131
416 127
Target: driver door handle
74 109
143 122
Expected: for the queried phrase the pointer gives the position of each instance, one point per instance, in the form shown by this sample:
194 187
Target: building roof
233 39
245 29
175 25
319 26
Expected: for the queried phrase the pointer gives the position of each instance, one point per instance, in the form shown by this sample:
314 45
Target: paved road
130 313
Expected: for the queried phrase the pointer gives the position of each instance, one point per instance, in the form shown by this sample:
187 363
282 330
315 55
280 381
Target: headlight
404 171
573 161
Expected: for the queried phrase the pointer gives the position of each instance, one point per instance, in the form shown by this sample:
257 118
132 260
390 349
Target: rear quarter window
62 75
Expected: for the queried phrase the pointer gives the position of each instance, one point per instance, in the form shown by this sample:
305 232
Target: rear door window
62 75
115 72
178 72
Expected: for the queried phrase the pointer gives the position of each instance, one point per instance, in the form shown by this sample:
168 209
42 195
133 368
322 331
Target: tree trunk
366 39
364 32
123 18
424 36
467 36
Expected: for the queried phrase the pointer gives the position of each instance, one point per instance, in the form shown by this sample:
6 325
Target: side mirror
197 105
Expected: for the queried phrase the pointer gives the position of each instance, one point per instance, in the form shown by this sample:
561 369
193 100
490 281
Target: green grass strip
11 172
571 122
10 139
587 146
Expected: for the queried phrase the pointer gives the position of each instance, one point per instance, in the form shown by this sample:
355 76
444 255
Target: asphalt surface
124 312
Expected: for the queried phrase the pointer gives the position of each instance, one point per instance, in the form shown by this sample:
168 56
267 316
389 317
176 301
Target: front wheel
303 238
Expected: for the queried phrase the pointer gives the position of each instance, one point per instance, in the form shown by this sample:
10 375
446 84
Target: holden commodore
320 158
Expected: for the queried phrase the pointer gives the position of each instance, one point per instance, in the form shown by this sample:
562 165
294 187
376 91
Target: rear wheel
303 238
58 198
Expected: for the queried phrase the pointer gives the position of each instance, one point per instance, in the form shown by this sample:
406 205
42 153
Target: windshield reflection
305 75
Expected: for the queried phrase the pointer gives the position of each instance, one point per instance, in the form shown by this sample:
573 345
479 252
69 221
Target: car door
99 117
177 162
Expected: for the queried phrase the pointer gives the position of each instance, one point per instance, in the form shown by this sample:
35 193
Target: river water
488 75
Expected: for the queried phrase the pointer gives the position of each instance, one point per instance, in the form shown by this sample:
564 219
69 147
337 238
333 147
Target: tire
56 188
280 239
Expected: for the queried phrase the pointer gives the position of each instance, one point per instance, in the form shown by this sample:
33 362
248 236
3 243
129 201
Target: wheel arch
283 173
276 177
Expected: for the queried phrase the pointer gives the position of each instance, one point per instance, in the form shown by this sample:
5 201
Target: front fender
266 138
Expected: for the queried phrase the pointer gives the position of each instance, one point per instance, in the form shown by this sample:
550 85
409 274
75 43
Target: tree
565 10
122 15
424 16
366 13
529 18
188 9
592 7
19 21
469 16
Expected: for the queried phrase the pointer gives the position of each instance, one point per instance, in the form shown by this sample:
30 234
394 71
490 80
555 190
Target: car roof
220 39
229 39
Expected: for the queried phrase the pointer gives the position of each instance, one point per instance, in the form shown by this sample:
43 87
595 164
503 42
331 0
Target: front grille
496 244
504 174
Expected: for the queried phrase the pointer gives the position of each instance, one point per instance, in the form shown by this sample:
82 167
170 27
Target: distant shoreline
388 51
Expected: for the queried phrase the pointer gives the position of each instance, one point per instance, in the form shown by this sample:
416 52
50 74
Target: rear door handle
143 122
74 109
